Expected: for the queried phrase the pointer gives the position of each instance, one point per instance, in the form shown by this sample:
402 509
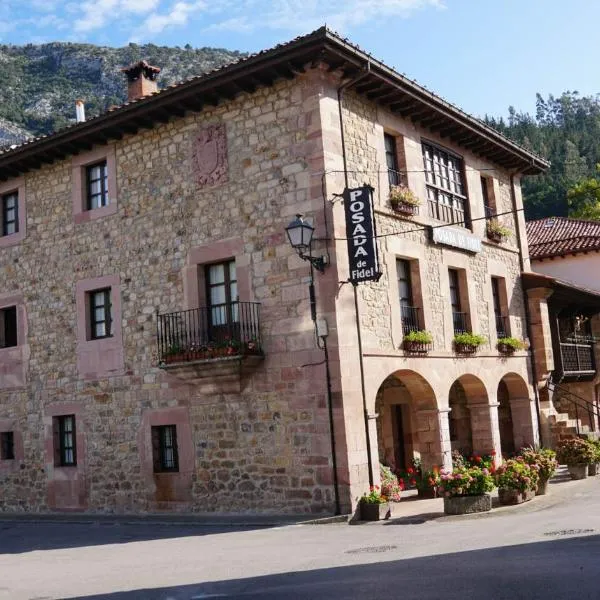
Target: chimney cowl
141 78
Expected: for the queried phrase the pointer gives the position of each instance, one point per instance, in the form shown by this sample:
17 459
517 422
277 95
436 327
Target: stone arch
408 422
473 419
516 410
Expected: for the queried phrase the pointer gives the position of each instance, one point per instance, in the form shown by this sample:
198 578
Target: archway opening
505 420
459 420
515 414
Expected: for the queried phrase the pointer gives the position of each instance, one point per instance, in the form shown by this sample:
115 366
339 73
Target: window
97 185
10 213
408 312
100 314
8 327
446 194
459 318
164 449
222 294
501 320
65 454
7 445
489 203
391 159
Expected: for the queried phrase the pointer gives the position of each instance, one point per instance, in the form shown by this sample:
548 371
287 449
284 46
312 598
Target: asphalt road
549 548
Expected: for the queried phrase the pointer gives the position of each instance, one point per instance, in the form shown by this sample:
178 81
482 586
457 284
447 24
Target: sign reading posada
362 252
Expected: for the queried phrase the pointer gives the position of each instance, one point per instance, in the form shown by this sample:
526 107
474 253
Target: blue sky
483 55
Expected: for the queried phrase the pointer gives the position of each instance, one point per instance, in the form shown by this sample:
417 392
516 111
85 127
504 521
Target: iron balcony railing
490 213
577 358
209 332
459 320
501 326
395 177
410 318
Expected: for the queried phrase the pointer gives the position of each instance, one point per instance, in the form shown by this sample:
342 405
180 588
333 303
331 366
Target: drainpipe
340 92
538 411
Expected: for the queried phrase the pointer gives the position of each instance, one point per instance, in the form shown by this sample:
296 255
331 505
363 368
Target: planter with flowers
496 232
516 481
390 486
403 201
467 343
545 460
417 342
374 506
466 490
509 345
428 483
594 466
577 454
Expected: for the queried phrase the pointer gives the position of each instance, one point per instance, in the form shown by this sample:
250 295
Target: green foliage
400 194
419 337
493 226
516 474
466 481
374 496
544 458
584 198
469 339
512 343
575 451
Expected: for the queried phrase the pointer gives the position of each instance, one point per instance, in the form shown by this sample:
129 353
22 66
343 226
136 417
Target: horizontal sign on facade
451 236
362 251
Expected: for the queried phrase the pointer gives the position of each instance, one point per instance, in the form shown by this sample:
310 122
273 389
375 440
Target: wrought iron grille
208 332
459 320
577 358
501 328
410 318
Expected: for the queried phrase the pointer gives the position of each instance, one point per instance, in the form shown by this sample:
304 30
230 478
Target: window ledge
96 213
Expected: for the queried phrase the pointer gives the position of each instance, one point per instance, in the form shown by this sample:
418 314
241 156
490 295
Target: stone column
374 449
485 429
433 435
524 420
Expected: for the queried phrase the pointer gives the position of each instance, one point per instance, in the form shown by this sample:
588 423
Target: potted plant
467 343
466 490
509 345
418 342
546 462
593 467
577 454
428 483
390 487
403 201
495 231
174 353
516 480
374 505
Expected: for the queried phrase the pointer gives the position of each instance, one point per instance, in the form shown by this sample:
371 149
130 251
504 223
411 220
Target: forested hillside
565 130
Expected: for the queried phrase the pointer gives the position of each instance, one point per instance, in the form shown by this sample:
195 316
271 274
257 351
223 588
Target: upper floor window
222 293
408 312
10 213
8 327
459 316
100 314
164 449
391 160
446 194
489 202
7 445
96 185
65 452
498 297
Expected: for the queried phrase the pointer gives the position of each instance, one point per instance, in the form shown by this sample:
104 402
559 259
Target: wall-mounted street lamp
300 235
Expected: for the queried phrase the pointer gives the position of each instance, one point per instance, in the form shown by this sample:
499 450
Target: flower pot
370 511
509 497
404 208
505 349
578 471
416 347
593 469
494 236
542 488
465 505
465 348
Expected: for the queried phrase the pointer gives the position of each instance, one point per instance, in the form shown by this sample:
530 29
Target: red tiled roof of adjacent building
558 236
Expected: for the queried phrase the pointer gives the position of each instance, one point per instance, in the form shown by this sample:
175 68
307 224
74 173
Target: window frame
63 448
391 156
160 448
498 303
456 282
3 323
230 316
7 445
103 179
106 294
455 177
13 195
409 313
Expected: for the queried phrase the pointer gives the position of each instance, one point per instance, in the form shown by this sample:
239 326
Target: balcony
459 321
501 326
577 360
410 318
213 345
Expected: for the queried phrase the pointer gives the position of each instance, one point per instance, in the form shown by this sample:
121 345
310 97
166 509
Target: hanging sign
362 251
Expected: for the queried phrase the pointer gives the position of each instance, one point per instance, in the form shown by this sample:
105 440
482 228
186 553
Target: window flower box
403 201
417 342
496 232
509 345
467 343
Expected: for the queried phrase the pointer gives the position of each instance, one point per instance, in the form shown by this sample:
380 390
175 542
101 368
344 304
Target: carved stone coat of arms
209 155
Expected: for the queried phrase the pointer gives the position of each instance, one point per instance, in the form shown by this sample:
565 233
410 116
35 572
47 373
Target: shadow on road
23 536
550 569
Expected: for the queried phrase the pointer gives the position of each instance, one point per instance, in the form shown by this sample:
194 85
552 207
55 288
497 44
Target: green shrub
469 339
419 337
575 451
516 474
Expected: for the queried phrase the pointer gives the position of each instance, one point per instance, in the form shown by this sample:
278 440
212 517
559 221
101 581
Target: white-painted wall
581 269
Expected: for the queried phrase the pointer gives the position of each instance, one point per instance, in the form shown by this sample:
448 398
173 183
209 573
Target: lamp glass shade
299 233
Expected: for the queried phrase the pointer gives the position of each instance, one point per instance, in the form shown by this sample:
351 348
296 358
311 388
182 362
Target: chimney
141 78
79 111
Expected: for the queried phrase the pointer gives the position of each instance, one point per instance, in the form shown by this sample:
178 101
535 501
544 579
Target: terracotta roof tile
557 236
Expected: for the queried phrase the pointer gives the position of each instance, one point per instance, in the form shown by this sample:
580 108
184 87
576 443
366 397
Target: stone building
158 346
565 255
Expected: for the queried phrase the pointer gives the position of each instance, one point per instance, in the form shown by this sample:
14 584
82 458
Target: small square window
164 449
10 214
100 307
8 327
7 445
65 452
96 185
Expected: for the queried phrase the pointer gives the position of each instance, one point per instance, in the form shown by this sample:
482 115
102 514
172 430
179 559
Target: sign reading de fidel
451 236
362 252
